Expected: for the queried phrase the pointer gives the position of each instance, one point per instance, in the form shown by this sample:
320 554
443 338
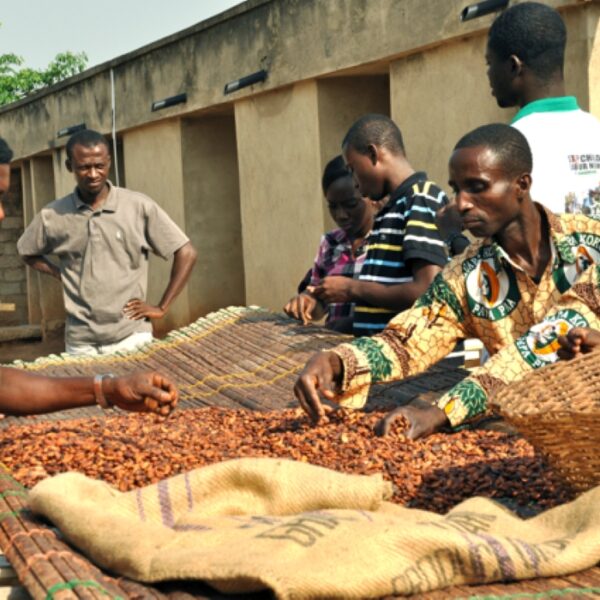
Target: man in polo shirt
520 286
525 57
404 251
23 393
103 236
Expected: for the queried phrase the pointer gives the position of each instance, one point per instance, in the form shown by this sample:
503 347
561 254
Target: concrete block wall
13 279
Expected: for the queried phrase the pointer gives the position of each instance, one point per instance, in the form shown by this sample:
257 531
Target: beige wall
153 165
580 42
64 181
212 208
593 70
34 306
341 101
295 40
45 290
434 103
282 213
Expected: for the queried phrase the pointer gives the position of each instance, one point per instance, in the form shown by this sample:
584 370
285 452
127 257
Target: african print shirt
335 257
481 294
404 230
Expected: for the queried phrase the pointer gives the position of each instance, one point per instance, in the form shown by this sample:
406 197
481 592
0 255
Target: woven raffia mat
46 566
557 409
238 357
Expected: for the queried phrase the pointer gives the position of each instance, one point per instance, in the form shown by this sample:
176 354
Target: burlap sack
308 532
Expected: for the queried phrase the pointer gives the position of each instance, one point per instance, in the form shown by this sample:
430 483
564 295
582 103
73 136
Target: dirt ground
32 349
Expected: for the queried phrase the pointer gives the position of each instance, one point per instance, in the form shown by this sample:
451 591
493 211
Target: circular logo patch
586 249
491 294
539 345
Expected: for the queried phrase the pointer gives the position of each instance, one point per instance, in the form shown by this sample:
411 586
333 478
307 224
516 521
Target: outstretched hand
143 392
137 309
422 420
322 375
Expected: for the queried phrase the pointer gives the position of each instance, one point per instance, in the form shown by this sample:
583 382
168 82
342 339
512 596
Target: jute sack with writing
308 532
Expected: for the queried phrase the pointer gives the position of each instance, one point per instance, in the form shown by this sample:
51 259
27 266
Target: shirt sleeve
319 266
421 237
412 342
162 234
578 307
34 242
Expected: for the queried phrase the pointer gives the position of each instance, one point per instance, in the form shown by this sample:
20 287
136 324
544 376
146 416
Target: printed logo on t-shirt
584 163
491 293
539 345
586 249
585 199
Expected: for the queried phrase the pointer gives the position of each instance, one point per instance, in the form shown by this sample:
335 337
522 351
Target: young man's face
4 186
367 173
501 77
487 198
90 167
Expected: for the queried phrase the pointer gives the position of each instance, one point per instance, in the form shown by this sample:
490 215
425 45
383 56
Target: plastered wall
282 212
341 101
212 208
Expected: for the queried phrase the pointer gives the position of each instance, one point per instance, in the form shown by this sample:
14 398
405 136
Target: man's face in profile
500 76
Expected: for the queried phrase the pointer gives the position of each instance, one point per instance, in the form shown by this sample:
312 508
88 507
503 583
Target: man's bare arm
43 265
23 393
396 297
183 262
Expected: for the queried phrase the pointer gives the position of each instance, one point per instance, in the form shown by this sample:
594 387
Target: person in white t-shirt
525 57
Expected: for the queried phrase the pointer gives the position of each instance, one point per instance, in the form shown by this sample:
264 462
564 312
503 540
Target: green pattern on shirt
471 396
564 249
440 291
379 364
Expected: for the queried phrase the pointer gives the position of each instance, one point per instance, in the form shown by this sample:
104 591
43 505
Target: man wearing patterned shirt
404 251
511 279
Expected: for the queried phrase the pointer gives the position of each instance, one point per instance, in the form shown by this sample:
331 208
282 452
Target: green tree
17 81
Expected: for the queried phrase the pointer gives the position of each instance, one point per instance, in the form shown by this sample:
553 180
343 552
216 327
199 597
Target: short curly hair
375 129
535 33
508 143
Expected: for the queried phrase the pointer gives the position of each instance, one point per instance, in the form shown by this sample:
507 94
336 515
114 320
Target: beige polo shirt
103 258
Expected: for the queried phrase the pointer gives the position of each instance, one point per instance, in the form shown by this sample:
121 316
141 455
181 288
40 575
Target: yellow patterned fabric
483 294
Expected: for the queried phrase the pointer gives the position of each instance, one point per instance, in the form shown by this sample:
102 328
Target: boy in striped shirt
405 251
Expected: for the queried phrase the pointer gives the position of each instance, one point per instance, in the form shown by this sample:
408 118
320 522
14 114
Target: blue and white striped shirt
404 230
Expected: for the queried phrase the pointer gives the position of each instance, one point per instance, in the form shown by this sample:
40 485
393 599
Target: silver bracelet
98 392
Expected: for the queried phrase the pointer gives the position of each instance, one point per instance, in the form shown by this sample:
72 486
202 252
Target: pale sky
38 30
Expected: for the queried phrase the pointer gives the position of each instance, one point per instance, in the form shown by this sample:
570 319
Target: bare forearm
23 393
183 263
43 265
398 297
27 393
